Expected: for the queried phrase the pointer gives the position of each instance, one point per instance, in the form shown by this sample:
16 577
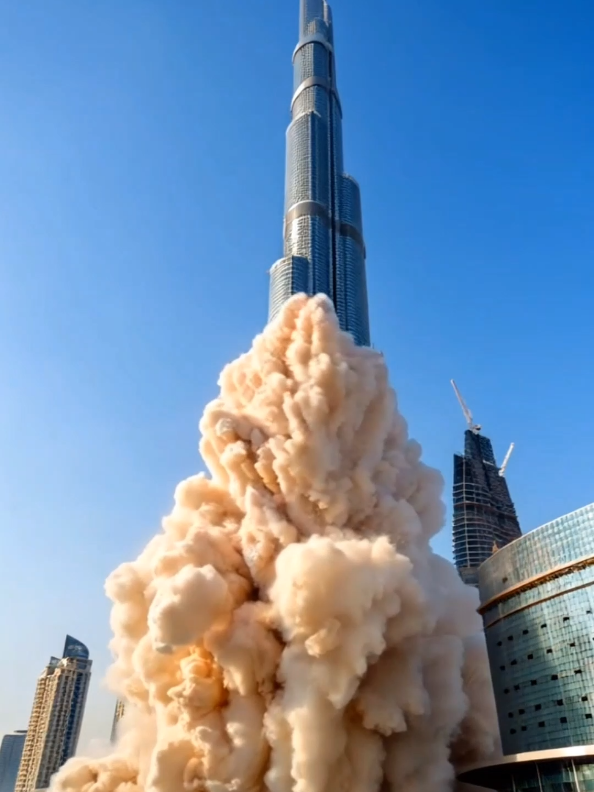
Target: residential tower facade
56 716
324 249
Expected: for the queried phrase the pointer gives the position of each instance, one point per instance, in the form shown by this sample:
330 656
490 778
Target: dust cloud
290 628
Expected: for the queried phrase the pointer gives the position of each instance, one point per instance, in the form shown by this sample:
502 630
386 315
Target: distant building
324 249
537 603
56 716
11 751
117 717
484 514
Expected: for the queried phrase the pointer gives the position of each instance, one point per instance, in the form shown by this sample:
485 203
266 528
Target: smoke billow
290 628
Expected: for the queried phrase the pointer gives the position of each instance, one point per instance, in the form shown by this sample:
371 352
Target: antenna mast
475 428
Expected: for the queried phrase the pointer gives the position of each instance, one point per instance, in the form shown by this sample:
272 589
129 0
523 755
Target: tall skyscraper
324 250
56 716
11 751
484 514
537 604
117 717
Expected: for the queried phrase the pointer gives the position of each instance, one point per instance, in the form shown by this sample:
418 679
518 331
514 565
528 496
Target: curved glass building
324 250
537 603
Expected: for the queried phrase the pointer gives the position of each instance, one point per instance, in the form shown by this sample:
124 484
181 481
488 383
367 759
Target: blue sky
141 201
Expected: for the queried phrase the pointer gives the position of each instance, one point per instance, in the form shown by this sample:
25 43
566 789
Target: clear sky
141 203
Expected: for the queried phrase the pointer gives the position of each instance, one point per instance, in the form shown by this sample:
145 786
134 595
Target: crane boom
467 414
506 460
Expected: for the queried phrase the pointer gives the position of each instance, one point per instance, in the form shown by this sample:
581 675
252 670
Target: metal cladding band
531 583
320 82
536 580
535 603
348 230
314 208
545 755
314 38
306 208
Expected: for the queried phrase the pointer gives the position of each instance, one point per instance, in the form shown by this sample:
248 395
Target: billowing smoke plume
290 628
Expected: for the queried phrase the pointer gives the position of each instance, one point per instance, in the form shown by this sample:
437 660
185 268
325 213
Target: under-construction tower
484 514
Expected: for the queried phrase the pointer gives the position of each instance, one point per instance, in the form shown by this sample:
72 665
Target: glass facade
11 751
537 598
537 604
74 648
484 516
324 250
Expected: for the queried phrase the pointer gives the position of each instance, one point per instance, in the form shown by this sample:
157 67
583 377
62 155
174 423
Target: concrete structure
324 250
117 716
537 603
56 716
11 751
484 514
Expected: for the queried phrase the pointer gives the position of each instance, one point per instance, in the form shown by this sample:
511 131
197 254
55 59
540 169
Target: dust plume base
290 627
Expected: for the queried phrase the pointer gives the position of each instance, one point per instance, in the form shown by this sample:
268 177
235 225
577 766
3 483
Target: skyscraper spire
324 250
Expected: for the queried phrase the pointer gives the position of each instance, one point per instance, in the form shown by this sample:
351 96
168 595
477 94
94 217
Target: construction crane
506 460
467 414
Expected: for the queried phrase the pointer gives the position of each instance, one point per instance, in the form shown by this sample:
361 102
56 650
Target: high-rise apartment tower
11 751
56 716
484 514
324 250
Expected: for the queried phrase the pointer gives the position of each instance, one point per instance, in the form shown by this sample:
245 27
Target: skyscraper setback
324 250
56 716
